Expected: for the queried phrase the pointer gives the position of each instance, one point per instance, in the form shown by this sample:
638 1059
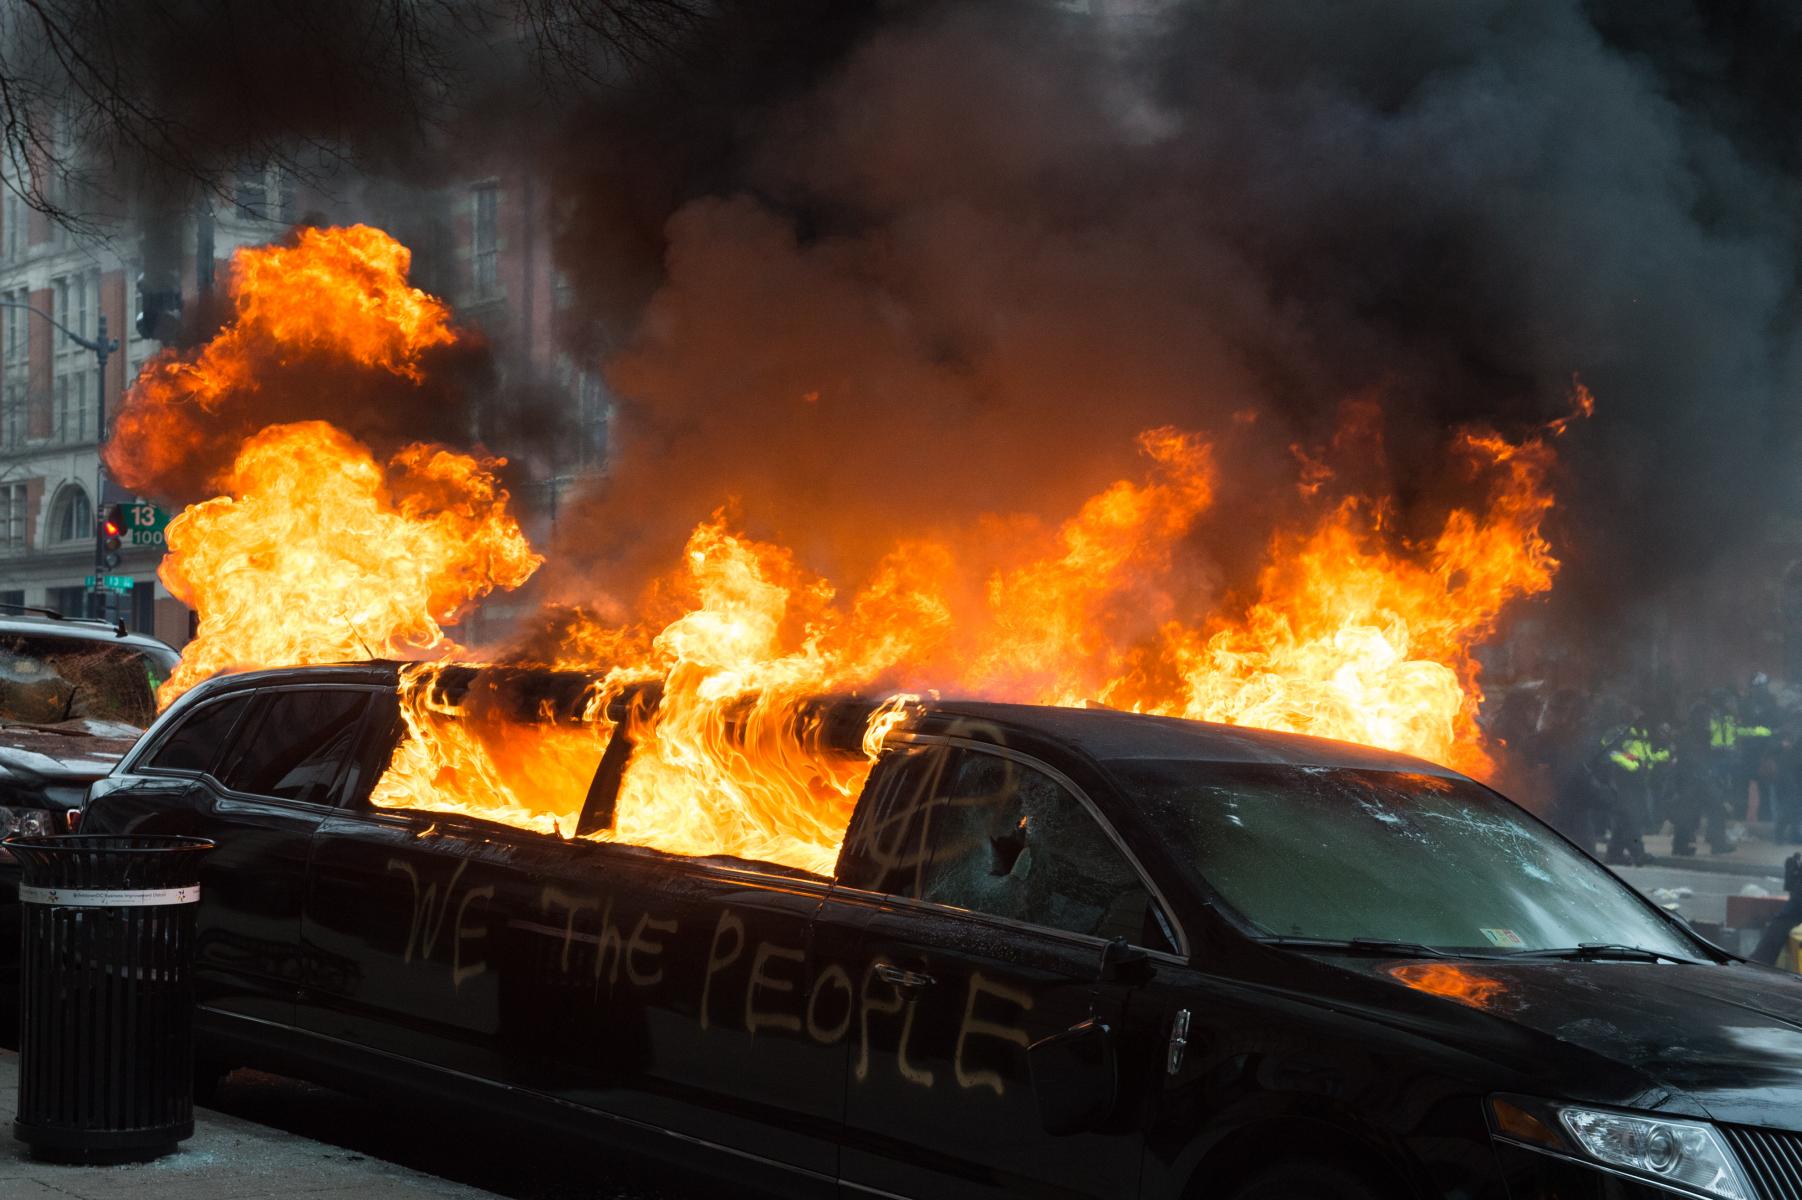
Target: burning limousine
1058 952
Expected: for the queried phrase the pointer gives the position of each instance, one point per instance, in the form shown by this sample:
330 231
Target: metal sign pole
99 600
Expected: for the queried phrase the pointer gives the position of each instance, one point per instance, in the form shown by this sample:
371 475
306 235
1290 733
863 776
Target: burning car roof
1104 734
1112 735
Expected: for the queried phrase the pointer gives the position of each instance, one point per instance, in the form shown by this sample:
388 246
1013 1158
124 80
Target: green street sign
144 524
110 583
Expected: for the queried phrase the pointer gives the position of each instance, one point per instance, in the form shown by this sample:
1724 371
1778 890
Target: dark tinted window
986 833
298 745
195 743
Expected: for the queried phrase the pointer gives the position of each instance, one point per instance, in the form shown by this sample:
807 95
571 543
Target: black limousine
1063 953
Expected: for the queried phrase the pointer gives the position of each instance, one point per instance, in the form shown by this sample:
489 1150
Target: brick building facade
484 246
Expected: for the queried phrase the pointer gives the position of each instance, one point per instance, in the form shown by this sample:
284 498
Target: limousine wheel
1305 1181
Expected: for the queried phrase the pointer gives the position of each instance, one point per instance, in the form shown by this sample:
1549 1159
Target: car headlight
28 822
1688 1157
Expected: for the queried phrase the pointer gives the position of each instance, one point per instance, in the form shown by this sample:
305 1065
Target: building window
69 601
73 414
143 607
250 192
586 450
484 243
15 369
12 598
12 518
71 516
12 225
264 193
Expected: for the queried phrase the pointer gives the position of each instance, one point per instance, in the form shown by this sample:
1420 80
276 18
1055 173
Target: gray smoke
959 272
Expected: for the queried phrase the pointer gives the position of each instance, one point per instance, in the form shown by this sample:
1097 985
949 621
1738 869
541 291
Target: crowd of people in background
1613 771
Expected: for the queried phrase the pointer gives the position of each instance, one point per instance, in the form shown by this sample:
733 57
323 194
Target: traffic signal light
112 533
159 306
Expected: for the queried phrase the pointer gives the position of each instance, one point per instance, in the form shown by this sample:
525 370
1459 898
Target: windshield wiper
1608 951
1363 945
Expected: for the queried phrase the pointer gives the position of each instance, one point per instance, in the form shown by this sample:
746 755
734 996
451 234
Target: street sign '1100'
144 524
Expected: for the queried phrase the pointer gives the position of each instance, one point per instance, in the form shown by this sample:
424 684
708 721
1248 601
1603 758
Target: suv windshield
1341 854
46 680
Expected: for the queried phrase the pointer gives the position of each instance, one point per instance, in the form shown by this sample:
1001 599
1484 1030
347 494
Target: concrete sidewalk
226 1158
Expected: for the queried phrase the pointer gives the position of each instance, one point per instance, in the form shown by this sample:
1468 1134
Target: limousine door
257 773
666 993
405 926
990 892
675 994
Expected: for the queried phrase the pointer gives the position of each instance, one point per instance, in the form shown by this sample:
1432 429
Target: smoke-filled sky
871 268
991 242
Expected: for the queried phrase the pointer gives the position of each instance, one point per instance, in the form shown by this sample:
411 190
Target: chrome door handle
1179 1041
911 980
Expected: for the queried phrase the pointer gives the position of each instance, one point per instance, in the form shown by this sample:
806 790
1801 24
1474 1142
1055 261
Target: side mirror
1074 1077
1123 962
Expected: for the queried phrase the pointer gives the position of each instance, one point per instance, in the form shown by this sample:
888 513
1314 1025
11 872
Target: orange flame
1451 981
320 554
1352 641
317 552
532 775
337 293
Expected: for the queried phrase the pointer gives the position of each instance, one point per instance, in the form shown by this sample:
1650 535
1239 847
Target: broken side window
1011 841
888 847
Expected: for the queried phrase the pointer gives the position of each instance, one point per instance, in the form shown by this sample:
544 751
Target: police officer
1700 797
1580 805
1786 811
1632 757
1737 747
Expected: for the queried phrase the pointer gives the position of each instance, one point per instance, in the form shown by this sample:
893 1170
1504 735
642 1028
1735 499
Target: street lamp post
102 347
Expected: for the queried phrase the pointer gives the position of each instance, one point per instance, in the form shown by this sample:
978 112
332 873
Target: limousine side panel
940 1096
248 958
607 978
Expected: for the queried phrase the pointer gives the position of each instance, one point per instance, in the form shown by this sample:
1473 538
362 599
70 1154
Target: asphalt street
1708 890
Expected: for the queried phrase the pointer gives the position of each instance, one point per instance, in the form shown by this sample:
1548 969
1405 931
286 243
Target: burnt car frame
1066 1005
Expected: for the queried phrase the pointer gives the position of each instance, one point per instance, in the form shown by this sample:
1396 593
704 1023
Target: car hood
1728 1037
70 753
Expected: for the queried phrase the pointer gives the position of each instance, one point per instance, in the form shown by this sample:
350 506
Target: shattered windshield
1340 854
47 681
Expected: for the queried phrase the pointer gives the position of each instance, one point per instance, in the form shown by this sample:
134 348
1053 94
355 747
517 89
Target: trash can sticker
108 897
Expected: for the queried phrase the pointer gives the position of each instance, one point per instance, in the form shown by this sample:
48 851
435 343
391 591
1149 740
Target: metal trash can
106 994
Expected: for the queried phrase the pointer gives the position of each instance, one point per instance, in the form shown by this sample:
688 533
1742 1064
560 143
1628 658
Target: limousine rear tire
1305 1181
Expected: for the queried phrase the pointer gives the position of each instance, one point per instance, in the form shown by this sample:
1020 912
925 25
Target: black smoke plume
872 267
957 271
